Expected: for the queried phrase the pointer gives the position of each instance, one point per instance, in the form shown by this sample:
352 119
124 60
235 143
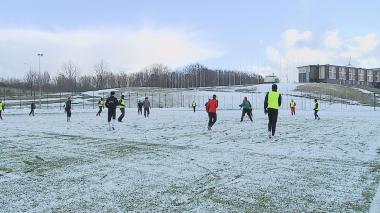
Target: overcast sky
261 36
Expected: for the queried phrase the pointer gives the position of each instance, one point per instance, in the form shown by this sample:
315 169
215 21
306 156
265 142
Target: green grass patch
5 170
40 165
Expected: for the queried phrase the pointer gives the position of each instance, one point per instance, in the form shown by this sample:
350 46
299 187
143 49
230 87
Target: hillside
339 93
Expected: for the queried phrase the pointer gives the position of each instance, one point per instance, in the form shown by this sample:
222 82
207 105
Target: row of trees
194 75
157 75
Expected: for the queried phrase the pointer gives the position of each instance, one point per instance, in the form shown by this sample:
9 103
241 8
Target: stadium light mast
39 74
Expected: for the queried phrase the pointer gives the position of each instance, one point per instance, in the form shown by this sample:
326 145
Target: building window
322 72
361 75
342 73
332 72
351 74
304 73
369 76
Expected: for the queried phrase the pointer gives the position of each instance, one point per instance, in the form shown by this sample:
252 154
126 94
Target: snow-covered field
171 163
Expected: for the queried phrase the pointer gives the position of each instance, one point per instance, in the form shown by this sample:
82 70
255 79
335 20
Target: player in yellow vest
101 105
2 106
317 107
293 107
194 105
271 105
122 108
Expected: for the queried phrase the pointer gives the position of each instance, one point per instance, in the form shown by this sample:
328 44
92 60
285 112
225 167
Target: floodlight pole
39 74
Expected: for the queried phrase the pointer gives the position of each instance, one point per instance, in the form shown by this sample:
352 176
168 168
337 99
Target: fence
178 99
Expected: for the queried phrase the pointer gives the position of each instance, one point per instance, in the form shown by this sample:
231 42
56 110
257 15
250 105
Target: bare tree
45 80
59 81
30 79
70 74
156 75
86 82
101 74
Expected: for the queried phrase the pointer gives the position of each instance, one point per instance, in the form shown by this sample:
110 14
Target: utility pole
374 101
217 72
200 76
204 77
39 74
197 78
229 79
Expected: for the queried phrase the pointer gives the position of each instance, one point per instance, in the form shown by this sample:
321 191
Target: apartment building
335 74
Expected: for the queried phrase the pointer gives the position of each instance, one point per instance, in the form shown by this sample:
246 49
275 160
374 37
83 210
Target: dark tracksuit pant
211 118
194 108
272 115
122 110
293 110
111 114
146 112
100 110
68 113
139 111
316 114
1 117
248 112
31 112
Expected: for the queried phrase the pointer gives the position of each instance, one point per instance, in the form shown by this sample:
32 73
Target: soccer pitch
171 163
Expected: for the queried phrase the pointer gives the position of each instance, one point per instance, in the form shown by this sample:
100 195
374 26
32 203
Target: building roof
306 66
376 69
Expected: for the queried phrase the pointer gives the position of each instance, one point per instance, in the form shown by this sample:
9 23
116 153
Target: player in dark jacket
32 108
146 105
67 107
111 104
139 107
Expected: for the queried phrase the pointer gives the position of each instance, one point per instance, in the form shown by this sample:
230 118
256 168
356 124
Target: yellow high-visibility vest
273 100
292 104
1 106
317 107
101 103
122 104
193 104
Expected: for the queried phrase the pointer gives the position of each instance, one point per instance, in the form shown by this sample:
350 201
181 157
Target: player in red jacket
211 107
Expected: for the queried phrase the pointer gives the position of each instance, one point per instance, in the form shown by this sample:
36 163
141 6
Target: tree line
69 78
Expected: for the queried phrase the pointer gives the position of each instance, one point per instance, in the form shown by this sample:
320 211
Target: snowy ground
171 163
